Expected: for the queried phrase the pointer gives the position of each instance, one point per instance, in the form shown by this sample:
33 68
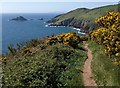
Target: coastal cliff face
82 18
77 23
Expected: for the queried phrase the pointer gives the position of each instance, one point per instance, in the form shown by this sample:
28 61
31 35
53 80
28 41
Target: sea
14 32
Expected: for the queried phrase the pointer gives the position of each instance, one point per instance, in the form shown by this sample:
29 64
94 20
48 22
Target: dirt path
87 74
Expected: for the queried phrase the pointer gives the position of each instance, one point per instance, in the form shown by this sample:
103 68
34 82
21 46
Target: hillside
82 18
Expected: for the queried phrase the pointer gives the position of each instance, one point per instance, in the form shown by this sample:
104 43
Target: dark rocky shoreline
77 23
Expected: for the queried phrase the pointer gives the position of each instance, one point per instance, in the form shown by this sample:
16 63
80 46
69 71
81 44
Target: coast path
87 73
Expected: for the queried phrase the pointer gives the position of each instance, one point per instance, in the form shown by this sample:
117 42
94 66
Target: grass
105 72
89 13
73 76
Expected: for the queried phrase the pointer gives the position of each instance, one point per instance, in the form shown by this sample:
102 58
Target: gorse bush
26 51
25 48
84 38
108 35
70 38
111 19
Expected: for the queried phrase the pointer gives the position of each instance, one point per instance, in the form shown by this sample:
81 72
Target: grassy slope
24 68
88 14
105 72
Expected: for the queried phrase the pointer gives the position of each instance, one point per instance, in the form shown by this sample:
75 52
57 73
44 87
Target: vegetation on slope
51 64
108 35
82 18
105 46
104 70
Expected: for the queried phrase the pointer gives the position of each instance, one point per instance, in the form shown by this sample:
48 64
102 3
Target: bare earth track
87 73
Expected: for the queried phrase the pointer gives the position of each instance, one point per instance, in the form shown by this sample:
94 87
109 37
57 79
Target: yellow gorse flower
108 35
70 38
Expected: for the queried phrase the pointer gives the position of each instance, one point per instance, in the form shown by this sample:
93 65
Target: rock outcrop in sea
19 18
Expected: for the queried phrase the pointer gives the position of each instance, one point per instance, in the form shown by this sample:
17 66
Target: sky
59 0
48 7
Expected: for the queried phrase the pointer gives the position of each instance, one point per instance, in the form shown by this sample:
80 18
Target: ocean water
14 32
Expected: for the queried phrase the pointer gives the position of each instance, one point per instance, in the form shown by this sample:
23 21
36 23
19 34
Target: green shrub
46 68
12 50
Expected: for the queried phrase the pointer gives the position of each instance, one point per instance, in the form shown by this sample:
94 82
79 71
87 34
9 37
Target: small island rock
19 18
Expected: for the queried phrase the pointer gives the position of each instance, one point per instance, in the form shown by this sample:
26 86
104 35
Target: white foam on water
81 32
46 25
53 26
75 28
78 29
